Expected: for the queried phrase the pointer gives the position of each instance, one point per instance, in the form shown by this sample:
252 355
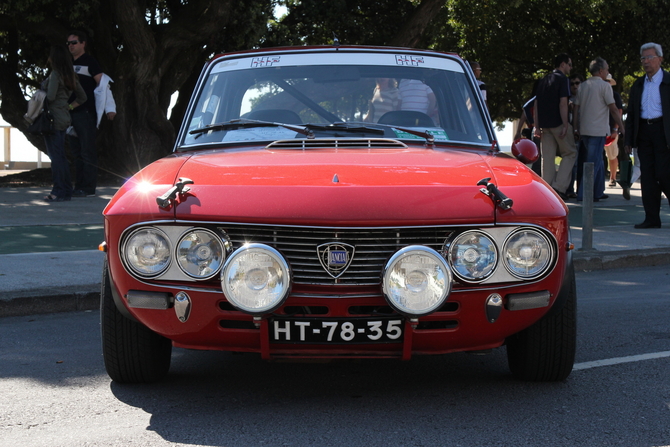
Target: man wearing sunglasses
648 129
84 117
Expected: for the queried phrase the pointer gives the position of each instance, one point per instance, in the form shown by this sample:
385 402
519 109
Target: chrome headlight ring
256 279
200 253
416 281
528 253
473 256
147 252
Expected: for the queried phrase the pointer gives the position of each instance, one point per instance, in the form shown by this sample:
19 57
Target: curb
48 303
605 260
42 302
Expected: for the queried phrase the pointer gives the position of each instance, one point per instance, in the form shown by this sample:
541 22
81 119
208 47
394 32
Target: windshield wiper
347 127
430 139
244 123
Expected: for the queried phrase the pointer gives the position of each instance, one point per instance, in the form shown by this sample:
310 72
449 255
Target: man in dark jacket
648 129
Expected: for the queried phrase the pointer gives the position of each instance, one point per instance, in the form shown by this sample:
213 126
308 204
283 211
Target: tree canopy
155 48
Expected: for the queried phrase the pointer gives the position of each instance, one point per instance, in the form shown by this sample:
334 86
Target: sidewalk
49 260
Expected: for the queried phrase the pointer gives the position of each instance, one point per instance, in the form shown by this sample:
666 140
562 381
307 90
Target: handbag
44 123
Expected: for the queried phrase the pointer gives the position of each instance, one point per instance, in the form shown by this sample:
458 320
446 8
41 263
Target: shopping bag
625 171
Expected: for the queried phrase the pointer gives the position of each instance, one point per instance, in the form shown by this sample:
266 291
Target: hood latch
165 201
491 190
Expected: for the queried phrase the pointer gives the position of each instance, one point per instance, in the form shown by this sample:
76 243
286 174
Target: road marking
619 360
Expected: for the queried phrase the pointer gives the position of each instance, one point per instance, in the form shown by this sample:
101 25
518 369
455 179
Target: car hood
345 187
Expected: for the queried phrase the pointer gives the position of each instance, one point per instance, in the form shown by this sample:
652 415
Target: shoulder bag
44 123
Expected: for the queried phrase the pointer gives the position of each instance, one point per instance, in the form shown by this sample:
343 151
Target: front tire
132 352
545 352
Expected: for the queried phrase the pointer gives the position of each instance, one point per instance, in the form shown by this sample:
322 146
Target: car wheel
545 352
132 352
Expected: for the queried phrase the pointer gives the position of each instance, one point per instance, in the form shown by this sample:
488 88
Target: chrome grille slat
373 248
342 143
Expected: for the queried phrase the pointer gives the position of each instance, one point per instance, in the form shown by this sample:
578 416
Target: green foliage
352 21
153 48
515 41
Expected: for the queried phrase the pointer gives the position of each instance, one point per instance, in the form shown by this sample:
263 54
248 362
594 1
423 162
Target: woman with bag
60 85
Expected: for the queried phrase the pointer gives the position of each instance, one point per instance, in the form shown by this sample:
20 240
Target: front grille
373 248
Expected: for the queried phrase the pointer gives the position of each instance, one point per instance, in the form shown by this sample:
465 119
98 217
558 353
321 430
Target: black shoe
53 198
646 224
626 193
603 197
562 195
81 193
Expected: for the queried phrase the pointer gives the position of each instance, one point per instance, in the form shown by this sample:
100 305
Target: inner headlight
147 252
417 280
528 253
473 256
200 253
256 279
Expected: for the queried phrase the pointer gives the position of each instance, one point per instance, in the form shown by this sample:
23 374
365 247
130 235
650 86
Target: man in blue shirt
648 129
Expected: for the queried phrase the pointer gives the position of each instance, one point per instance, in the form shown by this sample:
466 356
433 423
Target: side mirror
525 151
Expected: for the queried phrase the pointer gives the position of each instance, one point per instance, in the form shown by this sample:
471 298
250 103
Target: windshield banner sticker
409 60
265 61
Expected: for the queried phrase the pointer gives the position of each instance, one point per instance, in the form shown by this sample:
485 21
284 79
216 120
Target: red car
338 202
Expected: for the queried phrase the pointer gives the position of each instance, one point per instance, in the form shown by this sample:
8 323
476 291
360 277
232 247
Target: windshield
356 90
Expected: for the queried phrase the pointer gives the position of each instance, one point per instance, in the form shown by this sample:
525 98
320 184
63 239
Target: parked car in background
338 202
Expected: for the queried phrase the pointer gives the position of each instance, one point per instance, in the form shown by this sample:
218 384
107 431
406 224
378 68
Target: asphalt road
55 391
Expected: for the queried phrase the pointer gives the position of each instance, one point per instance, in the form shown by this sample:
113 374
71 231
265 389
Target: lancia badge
335 257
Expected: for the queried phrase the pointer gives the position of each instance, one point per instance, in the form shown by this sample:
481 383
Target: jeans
593 148
84 151
60 168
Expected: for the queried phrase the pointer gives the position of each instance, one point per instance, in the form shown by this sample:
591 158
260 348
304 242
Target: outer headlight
147 252
473 256
528 253
256 279
200 253
417 280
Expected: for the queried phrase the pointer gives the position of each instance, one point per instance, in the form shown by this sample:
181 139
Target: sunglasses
72 42
575 83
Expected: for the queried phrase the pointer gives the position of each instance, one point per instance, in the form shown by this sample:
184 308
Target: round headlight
256 279
473 256
417 280
200 253
528 253
147 252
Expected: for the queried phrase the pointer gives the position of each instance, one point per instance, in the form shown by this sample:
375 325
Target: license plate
336 330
